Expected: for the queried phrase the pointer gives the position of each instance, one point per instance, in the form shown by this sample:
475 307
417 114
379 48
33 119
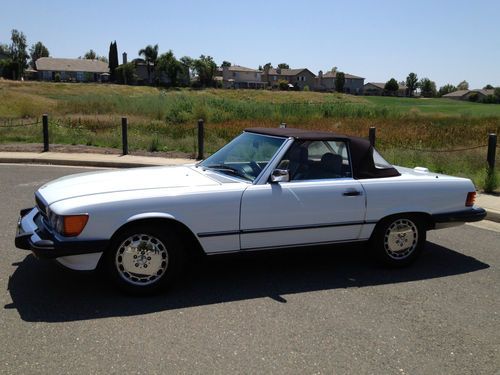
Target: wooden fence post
124 136
372 135
492 146
45 131
201 139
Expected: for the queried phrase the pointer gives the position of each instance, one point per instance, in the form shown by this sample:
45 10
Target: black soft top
363 165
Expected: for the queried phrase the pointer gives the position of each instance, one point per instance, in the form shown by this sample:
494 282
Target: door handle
351 193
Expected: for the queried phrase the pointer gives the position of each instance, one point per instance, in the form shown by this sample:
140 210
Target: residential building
76 70
296 77
466 94
326 82
240 77
378 89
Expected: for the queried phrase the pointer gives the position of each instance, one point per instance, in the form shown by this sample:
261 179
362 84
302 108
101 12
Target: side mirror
280 175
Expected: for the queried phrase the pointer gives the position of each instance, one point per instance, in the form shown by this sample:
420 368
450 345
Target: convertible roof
302 134
363 164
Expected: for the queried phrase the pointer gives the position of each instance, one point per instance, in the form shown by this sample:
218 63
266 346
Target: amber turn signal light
471 198
74 224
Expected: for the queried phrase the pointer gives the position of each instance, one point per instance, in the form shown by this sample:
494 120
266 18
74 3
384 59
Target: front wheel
399 240
143 259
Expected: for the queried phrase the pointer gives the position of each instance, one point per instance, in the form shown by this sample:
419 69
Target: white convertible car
266 189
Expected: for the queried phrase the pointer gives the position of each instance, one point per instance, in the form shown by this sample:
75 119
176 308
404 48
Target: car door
312 209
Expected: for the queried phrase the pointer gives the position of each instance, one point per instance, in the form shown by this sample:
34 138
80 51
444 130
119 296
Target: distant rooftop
71 65
239 68
334 74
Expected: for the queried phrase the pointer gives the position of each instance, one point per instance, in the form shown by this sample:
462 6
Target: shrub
474 97
283 84
306 88
490 181
57 77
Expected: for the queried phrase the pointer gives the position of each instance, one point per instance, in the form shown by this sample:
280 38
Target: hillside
409 131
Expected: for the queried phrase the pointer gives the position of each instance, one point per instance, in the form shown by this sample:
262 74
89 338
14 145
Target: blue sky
447 41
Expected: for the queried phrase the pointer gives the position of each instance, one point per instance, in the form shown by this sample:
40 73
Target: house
457 95
326 82
474 95
378 89
239 77
77 70
297 77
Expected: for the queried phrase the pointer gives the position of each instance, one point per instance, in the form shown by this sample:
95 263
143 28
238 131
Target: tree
150 54
488 87
266 68
411 83
113 60
496 96
334 70
205 68
283 66
391 86
90 55
339 81
37 50
125 74
170 66
18 54
446 89
225 63
464 85
427 87
187 66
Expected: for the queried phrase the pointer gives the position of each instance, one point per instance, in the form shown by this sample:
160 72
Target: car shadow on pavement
45 292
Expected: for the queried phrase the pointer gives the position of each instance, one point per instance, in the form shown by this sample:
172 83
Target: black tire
398 240
138 247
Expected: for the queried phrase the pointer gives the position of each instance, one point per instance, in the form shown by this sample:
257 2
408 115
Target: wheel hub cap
141 259
401 239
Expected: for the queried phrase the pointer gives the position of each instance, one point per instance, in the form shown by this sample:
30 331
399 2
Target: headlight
68 225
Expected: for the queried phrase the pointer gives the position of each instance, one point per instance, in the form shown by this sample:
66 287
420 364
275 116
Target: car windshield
245 156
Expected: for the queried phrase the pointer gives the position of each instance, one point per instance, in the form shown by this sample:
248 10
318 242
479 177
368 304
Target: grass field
409 131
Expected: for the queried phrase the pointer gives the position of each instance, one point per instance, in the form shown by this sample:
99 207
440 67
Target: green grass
435 106
161 120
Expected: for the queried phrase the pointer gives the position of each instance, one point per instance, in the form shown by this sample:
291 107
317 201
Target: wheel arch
191 242
424 216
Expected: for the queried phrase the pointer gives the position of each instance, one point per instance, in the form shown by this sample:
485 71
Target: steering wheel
255 168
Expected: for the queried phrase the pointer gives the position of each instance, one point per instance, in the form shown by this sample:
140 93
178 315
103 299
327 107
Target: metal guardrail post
201 139
45 131
372 135
492 146
124 136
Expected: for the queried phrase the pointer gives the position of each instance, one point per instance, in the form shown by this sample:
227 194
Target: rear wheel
143 259
399 240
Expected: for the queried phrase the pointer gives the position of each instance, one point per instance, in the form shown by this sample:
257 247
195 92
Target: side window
314 160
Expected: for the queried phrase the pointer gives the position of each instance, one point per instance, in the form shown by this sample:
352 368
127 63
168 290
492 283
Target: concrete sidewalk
88 159
490 203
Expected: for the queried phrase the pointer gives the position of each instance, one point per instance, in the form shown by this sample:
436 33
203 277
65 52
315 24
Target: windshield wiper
227 168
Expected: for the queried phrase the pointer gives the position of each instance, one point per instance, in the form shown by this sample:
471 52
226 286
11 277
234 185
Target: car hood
101 182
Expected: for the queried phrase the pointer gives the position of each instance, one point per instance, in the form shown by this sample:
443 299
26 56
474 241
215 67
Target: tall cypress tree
113 60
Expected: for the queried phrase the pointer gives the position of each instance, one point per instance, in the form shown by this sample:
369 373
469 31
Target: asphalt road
327 310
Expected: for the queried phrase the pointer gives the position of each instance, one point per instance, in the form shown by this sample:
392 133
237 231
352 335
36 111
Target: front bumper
32 234
462 216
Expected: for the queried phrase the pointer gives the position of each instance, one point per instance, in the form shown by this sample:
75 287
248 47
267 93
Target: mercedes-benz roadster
266 189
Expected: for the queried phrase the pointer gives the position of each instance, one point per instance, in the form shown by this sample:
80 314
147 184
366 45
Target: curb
78 163
492 215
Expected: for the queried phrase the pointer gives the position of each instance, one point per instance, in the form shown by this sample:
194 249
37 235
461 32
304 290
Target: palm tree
150 54
267 68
